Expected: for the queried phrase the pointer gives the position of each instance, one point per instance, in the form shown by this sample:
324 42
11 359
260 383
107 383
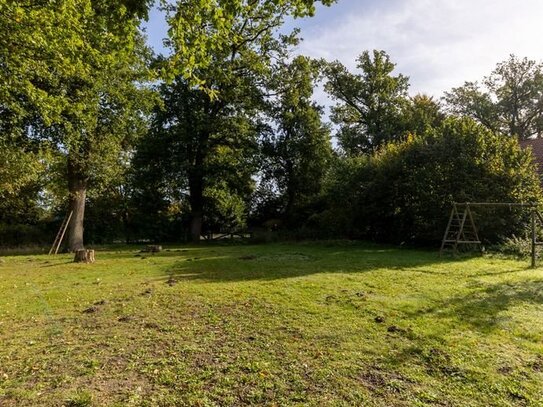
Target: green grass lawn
318 324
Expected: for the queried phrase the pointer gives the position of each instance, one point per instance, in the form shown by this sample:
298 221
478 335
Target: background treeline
230 138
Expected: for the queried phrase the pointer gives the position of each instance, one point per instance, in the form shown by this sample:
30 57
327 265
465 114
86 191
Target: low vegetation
301 324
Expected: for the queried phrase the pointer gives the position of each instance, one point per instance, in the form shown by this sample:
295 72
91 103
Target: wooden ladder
61 233
460 230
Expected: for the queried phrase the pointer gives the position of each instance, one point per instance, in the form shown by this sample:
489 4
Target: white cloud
438 44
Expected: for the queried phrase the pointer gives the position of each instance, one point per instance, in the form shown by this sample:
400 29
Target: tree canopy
297 148
509 100
201 28
226 134
369 112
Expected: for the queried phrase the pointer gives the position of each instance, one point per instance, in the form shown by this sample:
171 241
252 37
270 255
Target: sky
438 44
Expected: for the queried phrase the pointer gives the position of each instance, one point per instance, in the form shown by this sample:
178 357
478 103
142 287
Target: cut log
84 256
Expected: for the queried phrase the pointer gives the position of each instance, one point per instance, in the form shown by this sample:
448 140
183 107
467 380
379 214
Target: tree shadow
57 264
280 261
484 309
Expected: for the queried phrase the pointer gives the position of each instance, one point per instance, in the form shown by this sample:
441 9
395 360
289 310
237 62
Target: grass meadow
302 324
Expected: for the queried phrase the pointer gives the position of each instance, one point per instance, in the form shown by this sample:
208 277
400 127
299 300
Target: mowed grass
316 324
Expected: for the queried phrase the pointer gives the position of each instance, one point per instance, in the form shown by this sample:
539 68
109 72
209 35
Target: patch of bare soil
91 310
537 364
248 257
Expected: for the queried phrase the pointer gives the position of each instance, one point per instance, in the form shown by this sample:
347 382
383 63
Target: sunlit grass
301 324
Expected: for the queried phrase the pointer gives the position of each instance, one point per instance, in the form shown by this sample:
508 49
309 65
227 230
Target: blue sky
438 44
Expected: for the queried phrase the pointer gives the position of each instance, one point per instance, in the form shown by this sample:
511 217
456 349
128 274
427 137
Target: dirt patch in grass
248 257
91 310
537 364
147 293
383 381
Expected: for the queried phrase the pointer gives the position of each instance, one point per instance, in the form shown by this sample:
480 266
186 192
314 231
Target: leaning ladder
61 233
460 230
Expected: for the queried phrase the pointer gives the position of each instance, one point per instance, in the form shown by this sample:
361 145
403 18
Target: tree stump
84 256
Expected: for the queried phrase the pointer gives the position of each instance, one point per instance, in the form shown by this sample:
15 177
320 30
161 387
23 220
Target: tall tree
369 109
509 100
297 147
231 46
206 140
104 101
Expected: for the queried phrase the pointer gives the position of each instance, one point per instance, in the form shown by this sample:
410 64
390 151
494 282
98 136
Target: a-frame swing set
461 228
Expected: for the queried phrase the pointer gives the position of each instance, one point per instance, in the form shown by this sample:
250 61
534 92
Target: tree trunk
196 226
291 190
196 183
77 186
196 189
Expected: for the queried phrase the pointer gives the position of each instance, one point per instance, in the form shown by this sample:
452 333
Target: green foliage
157 187
18 168
226 210
198 156
27 234
422 114
75 74
510 99
76 98
403 193
33 39
296 149
211 131
42 44
106 107
22 209
370 103
201 29
520 247
470 101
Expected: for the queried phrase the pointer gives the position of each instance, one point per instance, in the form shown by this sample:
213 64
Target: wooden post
533 239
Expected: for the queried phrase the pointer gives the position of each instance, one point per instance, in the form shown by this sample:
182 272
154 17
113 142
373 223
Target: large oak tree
74 71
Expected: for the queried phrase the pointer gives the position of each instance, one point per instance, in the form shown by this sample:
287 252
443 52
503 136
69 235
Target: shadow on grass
57 264
278 261
124 254
484 309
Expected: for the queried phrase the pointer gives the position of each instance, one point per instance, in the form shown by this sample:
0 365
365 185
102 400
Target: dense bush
404 192
18 235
